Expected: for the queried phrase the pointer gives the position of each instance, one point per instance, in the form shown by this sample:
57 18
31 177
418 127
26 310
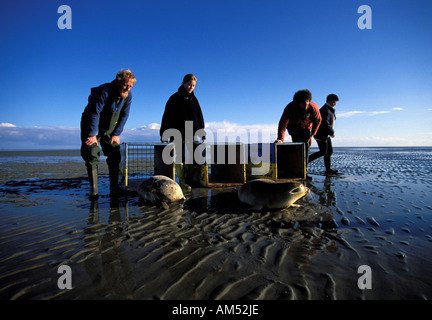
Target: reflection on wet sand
212 246
108 266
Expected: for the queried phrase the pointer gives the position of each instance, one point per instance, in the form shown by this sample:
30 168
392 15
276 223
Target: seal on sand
160 190
265 193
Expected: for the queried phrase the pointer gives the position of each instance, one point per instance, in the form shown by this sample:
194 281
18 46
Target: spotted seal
265 193
160 190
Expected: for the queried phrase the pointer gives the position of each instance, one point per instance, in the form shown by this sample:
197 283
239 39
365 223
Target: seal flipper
164 205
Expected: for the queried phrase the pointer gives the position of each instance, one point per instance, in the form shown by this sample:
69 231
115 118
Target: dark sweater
180 107
103 103
326 128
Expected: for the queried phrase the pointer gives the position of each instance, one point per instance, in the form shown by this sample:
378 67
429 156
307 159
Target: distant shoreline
33 153
68 152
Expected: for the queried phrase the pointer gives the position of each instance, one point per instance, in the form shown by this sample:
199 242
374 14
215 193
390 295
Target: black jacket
180 107
326 128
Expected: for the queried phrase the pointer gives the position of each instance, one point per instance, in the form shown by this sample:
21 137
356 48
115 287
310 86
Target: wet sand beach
378 213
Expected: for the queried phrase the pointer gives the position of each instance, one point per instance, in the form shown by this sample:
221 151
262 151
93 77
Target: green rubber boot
180 169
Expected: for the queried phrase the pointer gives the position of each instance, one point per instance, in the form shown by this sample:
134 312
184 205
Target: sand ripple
214 247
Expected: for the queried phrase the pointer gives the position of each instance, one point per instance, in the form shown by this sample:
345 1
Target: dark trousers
91 155
325 150
304 137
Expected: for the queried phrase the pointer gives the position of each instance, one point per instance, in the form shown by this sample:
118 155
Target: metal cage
227 164
138 162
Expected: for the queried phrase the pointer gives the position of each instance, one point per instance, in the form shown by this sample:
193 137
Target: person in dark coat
102 122
182 110
326 132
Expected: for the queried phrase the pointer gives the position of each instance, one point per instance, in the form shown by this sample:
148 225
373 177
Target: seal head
160 190
265 193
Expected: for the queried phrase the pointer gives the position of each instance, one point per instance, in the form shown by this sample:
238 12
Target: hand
91 141
278 141
115 139
310 141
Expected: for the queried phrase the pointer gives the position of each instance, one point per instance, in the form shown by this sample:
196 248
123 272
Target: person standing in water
326 132
102 122
182 109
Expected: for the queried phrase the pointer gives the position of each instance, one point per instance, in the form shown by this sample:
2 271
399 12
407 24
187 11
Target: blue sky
249 56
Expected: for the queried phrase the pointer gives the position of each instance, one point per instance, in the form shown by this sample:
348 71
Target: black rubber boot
93 179
115 189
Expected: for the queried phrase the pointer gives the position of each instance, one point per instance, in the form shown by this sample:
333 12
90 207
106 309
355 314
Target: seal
265 193
160 190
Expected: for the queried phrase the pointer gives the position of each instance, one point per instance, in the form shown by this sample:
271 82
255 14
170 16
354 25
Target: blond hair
125 74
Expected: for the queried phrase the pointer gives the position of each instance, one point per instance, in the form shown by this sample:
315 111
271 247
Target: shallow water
377 213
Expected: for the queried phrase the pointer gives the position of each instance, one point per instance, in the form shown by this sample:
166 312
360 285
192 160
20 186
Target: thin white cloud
349 114
374 113
151 126
8 125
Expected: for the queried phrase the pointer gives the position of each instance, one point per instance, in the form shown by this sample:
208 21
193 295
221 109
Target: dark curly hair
302 96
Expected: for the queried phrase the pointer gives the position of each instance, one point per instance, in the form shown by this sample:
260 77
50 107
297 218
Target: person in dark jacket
102 122
326 132
182 110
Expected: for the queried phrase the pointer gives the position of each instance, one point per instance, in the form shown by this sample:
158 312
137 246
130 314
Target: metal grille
137 160
143 160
